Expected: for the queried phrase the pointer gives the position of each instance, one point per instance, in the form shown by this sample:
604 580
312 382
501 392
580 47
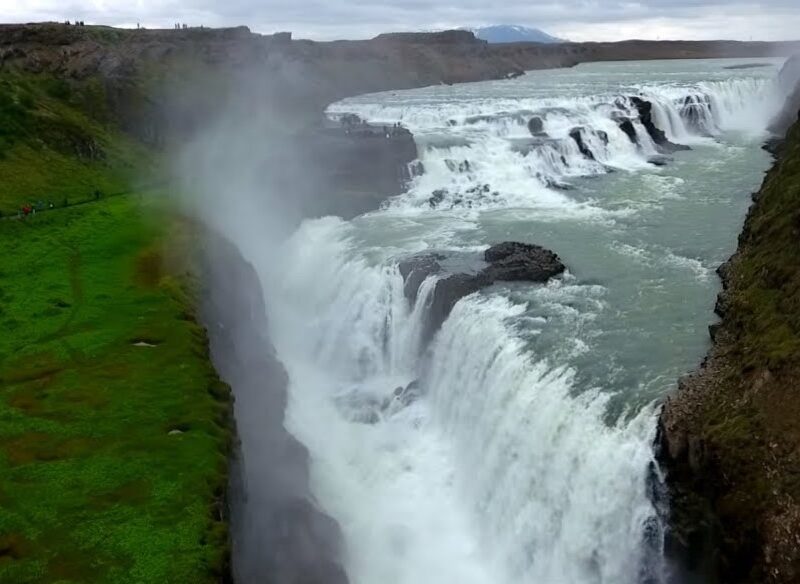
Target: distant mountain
509 33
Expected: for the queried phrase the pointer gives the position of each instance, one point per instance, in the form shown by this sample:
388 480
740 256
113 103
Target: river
528 455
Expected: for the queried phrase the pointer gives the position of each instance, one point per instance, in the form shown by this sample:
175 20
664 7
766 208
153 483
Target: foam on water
665 258
536 497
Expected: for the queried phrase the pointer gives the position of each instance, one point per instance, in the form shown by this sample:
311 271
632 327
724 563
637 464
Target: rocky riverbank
729 436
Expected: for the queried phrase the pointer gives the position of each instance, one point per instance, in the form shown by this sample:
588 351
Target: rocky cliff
730 435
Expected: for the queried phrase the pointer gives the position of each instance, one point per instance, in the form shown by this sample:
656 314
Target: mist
243 175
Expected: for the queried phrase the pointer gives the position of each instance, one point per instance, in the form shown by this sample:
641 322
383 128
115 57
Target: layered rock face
730 435
351 170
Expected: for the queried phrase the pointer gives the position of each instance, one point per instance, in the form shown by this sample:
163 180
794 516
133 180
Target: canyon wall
730 433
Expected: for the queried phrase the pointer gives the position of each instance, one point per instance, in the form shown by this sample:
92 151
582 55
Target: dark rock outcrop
536 126
626 125
508 261
416 270
577 135
436 198
645 110
512 261
447 292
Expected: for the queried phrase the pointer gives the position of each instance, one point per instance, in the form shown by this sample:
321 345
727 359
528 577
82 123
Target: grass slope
114 427
58 143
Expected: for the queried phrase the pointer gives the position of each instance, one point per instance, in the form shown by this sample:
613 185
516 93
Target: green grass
93 487
58 143
113 456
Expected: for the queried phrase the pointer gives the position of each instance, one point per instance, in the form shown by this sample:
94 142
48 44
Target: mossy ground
114 427
766 295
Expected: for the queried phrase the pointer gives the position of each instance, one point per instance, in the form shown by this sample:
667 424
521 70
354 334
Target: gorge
363 370
452 284
399 435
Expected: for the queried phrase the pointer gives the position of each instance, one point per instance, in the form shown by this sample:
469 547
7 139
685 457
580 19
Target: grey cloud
361 19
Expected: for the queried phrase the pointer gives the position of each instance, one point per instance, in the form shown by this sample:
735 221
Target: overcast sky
577 20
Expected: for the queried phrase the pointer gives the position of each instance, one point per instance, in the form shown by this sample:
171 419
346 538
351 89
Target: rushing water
528 456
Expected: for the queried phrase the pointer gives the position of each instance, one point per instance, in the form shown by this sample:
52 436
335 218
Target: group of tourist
40 205
30 209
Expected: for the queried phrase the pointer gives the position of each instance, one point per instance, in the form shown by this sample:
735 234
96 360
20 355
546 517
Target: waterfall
568 503
479 155
504 469
505 449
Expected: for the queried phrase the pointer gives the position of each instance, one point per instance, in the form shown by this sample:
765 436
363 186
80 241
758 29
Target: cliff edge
730 434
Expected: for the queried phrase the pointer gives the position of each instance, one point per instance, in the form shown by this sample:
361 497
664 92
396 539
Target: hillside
51 129
115 427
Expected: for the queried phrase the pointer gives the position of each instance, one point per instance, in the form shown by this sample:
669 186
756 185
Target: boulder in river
536 126
645 110
513 261
507 261
436 197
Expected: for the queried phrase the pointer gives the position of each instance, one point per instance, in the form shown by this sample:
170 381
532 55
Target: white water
487 141
527 457
446 489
